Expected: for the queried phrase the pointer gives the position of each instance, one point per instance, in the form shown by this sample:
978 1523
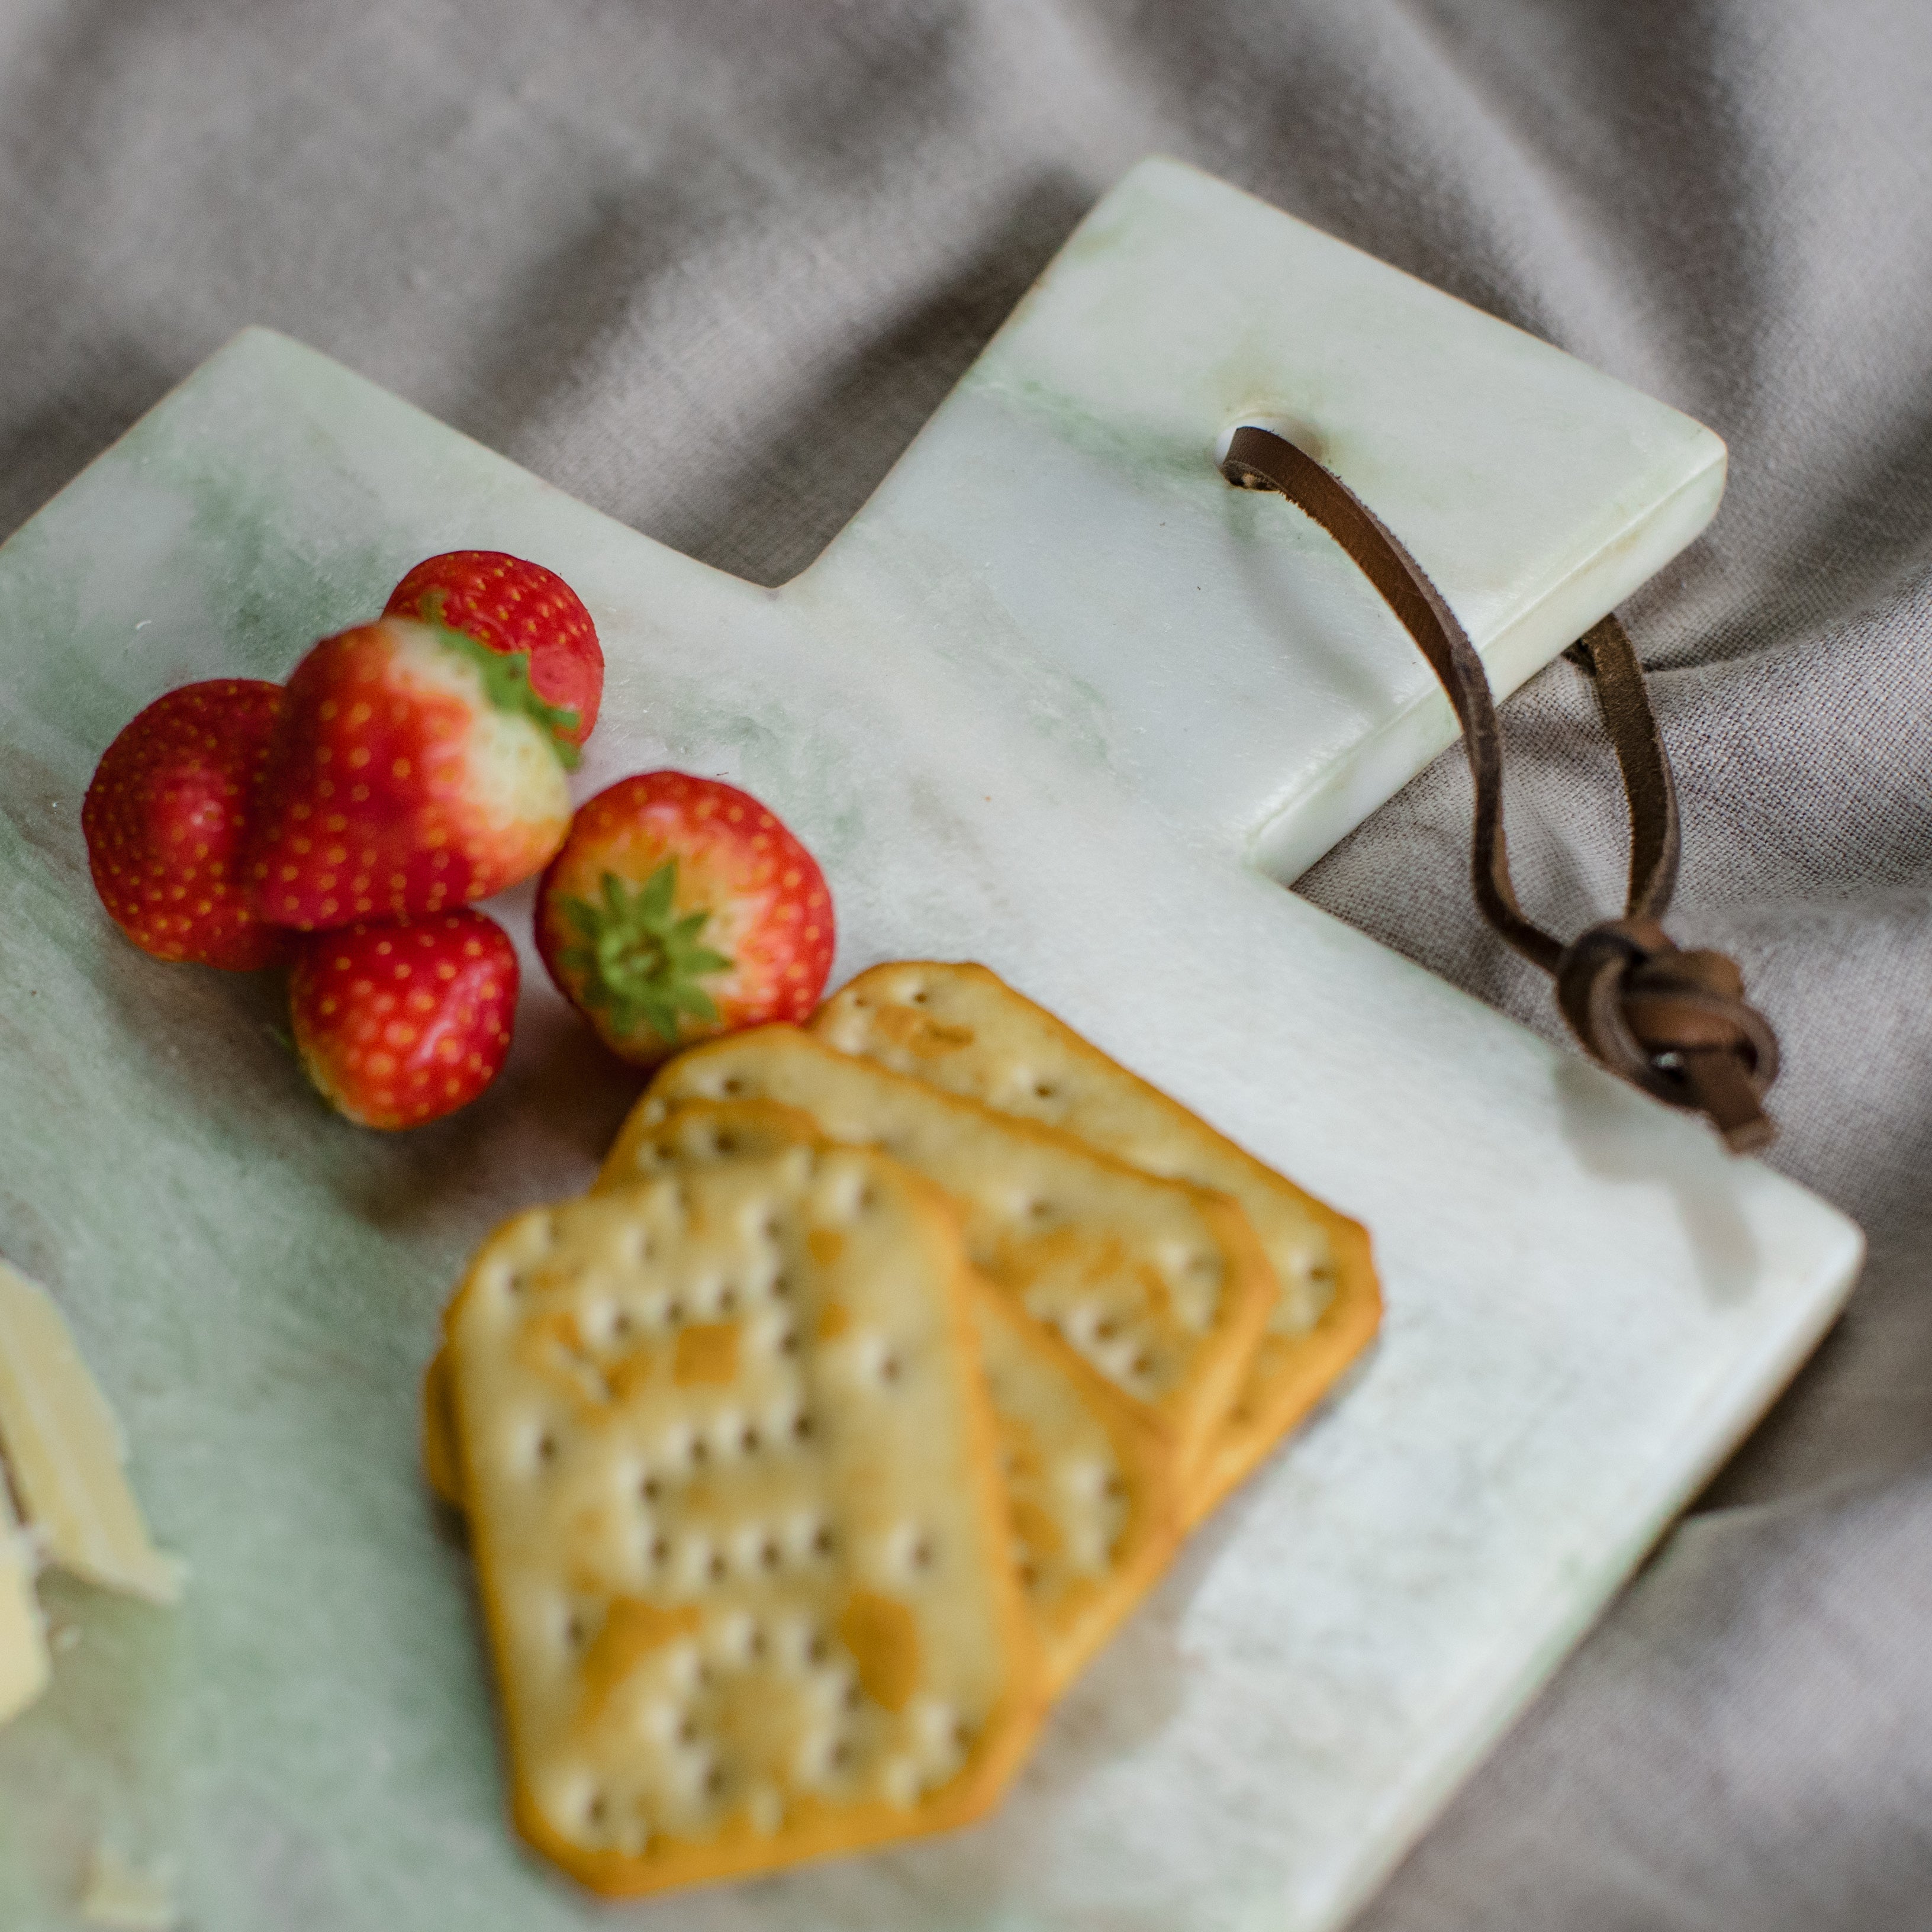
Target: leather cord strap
1673 1023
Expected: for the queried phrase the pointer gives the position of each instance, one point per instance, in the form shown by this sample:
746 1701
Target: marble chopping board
1058 699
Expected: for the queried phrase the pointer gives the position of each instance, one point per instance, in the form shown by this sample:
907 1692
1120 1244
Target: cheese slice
64 1452
23 1637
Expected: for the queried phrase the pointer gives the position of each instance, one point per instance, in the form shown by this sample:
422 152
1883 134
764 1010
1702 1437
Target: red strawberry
680 908
165 817
511 605
399 1024
413 769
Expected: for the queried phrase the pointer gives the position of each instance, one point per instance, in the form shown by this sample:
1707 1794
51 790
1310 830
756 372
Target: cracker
737 1521
963 1029
1091 1485
706 1130
1159 1285
441 1469
1094 1494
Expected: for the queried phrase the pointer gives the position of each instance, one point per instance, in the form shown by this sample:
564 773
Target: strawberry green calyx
506 684
638 962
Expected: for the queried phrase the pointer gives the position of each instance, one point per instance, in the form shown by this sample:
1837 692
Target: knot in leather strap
1674 1023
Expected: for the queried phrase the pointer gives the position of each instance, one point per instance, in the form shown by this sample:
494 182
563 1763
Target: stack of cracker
811 1455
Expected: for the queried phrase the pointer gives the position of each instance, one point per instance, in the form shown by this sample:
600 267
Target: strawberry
513 606
399 1024
413 769
678 908
165 817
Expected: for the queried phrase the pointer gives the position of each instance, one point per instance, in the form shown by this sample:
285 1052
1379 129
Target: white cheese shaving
64 1451
23 1642
122 1899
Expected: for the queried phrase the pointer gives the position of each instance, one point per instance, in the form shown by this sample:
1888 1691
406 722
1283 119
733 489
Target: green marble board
1058 699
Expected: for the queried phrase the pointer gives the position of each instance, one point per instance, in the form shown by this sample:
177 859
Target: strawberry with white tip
413 770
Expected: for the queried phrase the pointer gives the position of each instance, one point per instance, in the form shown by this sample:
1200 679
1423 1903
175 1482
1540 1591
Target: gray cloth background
709 266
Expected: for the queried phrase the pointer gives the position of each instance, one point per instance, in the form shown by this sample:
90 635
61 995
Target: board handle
1674 1023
